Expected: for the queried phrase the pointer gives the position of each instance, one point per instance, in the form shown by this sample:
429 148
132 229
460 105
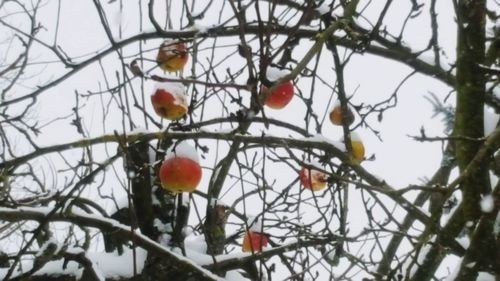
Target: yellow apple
358 149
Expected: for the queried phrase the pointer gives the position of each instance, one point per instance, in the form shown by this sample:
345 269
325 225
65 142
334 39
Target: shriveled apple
312 179
172 55
336 115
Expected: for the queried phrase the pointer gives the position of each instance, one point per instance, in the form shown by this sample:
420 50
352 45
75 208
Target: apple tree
249 140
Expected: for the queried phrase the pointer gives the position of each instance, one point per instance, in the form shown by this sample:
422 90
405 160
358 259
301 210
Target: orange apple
169 104
312 179
180 174
280 96
172 55
336 115
254 241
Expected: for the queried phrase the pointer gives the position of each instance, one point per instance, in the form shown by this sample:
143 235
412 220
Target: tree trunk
469 127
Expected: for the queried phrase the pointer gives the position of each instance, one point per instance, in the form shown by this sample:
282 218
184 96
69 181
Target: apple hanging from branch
312 179
181 171
172 55
336 115
169 100
280 95
254 239
358 148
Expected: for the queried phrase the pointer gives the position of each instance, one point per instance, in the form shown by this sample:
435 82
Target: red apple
180 174
169 101
172 55
336 115
254 241
312 179
280 96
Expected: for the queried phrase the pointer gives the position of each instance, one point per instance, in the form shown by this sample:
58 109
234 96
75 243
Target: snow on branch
105 224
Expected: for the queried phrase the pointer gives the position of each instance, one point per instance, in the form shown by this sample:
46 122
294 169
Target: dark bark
470 100
469 123
138 169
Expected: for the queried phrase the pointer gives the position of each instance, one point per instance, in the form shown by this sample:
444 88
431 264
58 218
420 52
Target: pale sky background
374 78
